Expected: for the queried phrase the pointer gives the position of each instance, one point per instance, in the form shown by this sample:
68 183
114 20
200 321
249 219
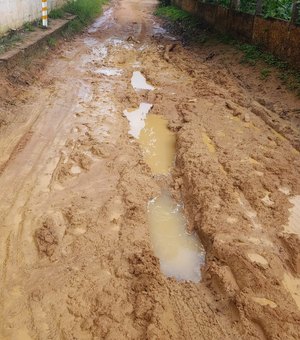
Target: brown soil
75 252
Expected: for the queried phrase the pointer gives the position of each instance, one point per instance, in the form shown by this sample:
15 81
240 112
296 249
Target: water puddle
104 22
181 254
137 118
109 72
293 226
158 144
75 170
138 82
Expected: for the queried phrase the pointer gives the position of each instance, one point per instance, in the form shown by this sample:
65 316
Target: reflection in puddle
137 118
109 71
75 170
138 82
180 254
158 144
294 221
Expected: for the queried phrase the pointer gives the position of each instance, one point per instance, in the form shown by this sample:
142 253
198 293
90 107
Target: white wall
14 13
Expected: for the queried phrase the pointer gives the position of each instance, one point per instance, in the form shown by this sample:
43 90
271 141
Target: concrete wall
276 36
14 13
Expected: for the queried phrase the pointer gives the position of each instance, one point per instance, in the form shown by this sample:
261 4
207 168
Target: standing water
158 144
180 253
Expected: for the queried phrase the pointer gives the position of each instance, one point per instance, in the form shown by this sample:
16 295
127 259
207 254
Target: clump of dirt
46 238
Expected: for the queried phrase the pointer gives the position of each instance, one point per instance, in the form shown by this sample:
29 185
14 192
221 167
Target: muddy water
180 253
158 144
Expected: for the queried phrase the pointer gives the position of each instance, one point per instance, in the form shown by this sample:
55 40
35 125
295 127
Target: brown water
181 254
158 144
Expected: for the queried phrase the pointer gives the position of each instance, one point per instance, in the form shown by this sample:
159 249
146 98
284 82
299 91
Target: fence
280 37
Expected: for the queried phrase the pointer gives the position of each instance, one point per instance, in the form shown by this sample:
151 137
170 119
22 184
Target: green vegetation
29 27
9 40
52 42
179 16
265 73
85 10
57 13
251 54
271 8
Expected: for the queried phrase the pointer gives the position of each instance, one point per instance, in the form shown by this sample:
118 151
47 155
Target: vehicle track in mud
75 250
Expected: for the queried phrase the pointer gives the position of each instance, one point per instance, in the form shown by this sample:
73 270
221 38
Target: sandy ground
75 253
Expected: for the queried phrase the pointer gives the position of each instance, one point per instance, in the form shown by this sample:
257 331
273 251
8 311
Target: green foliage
85 10
57 13
281 9
178 16
29 27
9 40
265 73
52 42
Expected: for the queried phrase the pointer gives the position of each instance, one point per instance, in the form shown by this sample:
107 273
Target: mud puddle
158 144
181 254
138 82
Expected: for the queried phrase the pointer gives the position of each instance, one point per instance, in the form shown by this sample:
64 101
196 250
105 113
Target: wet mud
145 198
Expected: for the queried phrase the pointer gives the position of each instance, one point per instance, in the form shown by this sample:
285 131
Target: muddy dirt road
84 149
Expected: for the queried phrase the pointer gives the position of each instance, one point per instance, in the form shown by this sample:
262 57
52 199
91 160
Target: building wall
14 13
277 36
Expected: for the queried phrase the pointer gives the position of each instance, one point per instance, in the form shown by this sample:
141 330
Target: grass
52 42
265 73
29 27
9 40
178 16
57 13
251 54
85 10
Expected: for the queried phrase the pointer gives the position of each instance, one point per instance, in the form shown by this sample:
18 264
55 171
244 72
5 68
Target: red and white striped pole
45 13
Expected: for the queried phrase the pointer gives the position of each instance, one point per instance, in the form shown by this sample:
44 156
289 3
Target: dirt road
76 256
